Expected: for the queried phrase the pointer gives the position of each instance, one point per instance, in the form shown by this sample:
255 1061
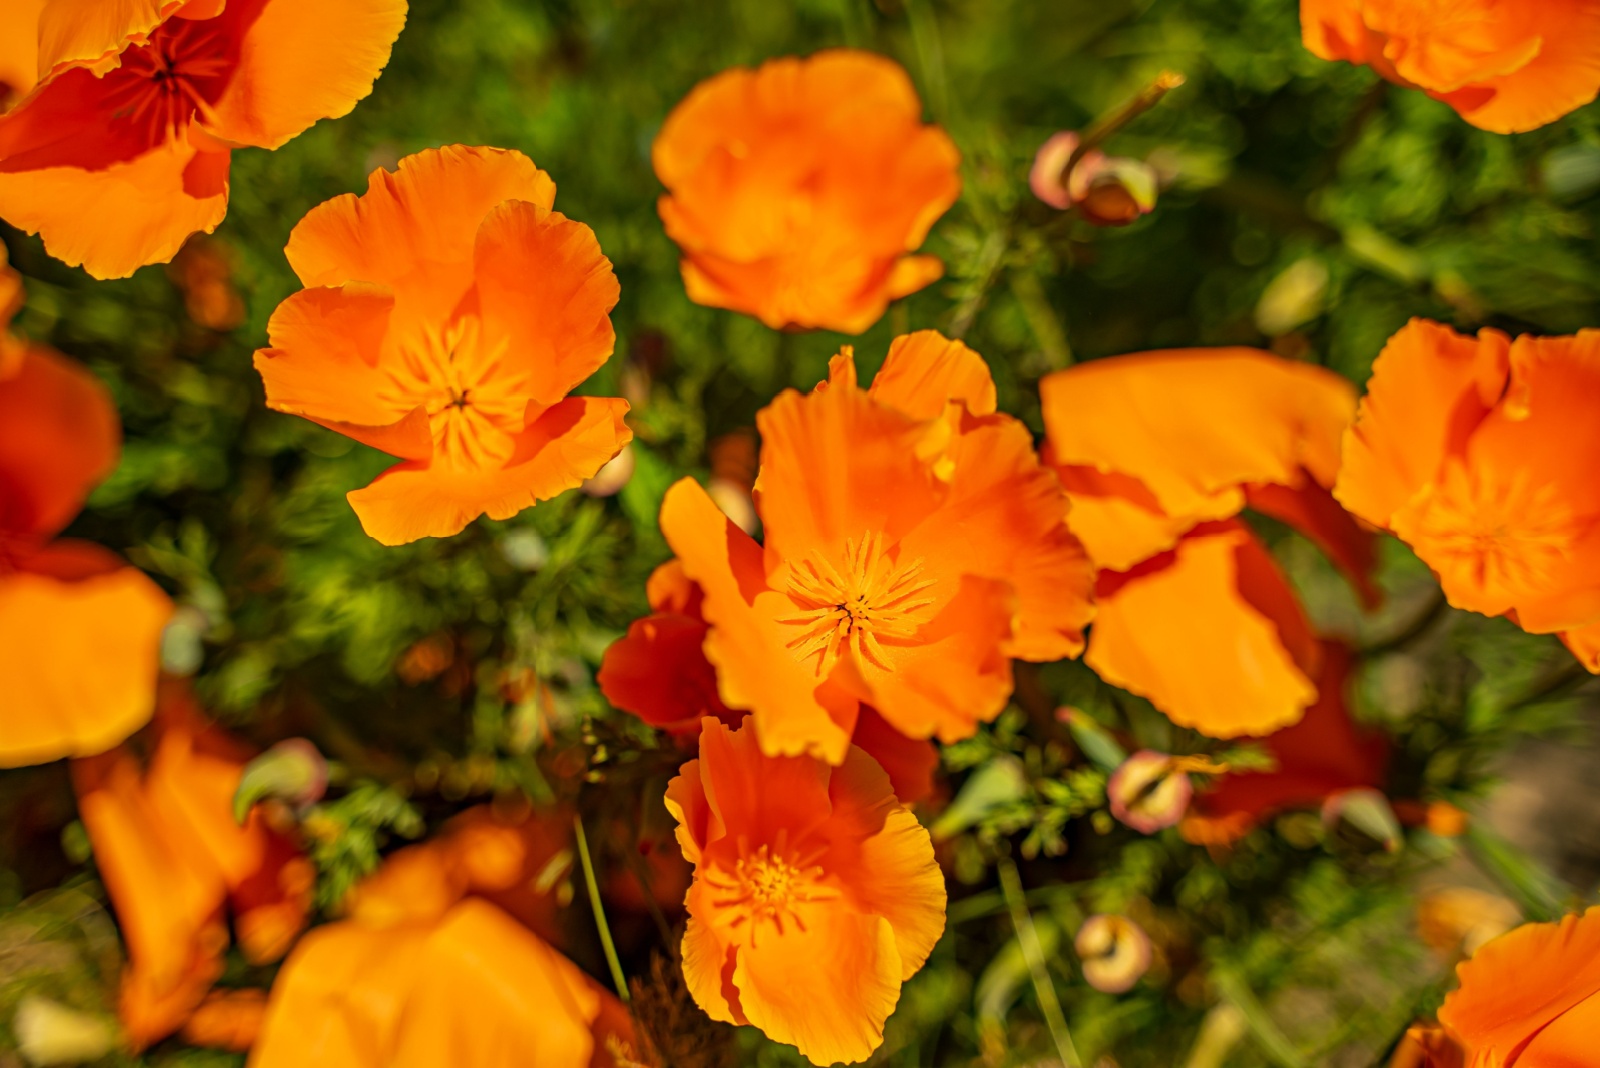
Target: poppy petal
93 33
925 371
1585 645
19 49
1521 982
113 221
301 61
76 604
910 763
831 1014
1430 388
1562 75
659 672
568 443
60 438
557 332
1211 634
707 971
746 644
415 229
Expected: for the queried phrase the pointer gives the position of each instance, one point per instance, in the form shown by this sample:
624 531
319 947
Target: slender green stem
1043 988
1273 1042
618 980
930 57
1117 118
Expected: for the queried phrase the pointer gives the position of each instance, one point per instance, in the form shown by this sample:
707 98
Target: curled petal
59 437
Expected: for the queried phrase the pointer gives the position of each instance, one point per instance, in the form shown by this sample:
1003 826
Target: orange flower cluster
815 893
1478 453
797 190
1527 999
1504 65
447 314
63 603
172 857
913 545
119 147
1159 452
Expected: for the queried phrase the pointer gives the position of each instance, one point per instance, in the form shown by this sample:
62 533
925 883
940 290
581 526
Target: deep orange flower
1324 754
424 975
448 313
797 190
1480 454
172 857
815 896
659 672
1158 452
913 545
64 604
1530 998
121 150
1504 65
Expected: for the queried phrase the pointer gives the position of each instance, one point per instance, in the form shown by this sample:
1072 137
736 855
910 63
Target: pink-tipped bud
1115 952
1150 791
1119 192
1050 162
292 771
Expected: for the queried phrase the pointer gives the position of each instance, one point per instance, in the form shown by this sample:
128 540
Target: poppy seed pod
1115 952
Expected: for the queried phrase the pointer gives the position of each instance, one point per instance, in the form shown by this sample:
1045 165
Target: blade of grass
1043 988
618 980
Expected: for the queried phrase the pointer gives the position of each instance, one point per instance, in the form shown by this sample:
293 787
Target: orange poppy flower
121 149
1324 754
1504 65
1158 452
19 49
913 545
796 191
1529 998
815 894
64 603
427 972
448 313
1479 453
172 856
659 672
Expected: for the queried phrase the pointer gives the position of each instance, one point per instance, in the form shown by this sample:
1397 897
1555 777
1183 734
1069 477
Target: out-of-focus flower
659 672
796 191
227 1019
49 1032
1158 452
441 961
172 857
610 479
732 484
1294 297
1114 951
1106 190
447 313
1151 790
816 893
1504 65
913 545
1479 453
1324 754
64 604
1460 919
426 658
121 150
1530 997
466 986
1445 820
203 272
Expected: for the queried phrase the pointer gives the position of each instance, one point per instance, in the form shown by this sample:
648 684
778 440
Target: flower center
474 410
872 599
769 884
162 83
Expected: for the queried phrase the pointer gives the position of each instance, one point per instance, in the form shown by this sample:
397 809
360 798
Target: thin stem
1114 120
1419 625
618 980
930 57
1273 1042
991 258
1044 990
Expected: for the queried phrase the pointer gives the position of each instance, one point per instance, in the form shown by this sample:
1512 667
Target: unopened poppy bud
1094 740
1149 791
1115 952
49 1032
1295 297
1119 191
1002 781
1366 810
1050 164
292 771
610 479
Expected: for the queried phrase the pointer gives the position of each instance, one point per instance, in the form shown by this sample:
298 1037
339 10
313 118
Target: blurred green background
1311 209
